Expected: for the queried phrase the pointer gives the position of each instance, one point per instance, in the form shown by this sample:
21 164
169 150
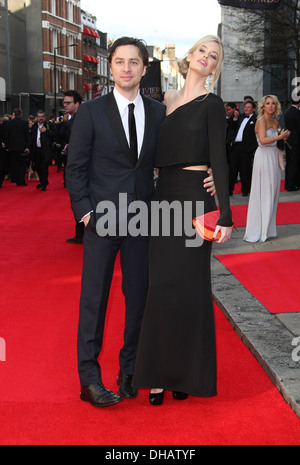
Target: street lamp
57 48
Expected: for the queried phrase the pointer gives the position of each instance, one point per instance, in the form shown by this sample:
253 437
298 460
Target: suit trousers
19 166
240 161
98 267
42 167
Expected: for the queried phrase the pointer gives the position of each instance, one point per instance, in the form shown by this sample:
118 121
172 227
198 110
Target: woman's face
205 58
269 107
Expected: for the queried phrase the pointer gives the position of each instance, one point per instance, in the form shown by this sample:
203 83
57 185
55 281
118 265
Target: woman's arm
261 130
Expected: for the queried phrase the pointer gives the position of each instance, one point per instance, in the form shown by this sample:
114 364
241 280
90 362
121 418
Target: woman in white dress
265 185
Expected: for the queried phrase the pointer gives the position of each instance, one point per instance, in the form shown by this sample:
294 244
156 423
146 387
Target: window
71 10
53 7
71 80
54 39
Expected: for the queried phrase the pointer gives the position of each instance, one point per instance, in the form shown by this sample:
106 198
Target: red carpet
287 213
269 276
39 389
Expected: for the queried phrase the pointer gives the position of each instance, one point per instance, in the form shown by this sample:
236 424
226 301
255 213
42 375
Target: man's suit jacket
16 135
232 125
99 160
292 122
47 139
249 141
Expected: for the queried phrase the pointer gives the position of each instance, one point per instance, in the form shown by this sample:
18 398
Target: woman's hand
225 233
209 183
284 134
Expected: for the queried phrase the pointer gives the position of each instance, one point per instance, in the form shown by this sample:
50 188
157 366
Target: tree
268 41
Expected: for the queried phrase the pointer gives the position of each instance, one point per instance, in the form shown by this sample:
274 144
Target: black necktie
132 132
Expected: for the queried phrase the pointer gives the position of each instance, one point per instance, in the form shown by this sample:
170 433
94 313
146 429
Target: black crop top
195 134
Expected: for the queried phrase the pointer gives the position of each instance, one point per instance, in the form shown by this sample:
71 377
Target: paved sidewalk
268 336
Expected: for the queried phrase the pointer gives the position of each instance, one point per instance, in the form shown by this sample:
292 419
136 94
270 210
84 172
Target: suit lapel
113 115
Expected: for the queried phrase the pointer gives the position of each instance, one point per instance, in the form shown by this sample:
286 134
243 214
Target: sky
158 22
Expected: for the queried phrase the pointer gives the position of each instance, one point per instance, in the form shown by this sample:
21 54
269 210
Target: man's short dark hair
249 101
73 93
18 112
295 102
231 104
130 41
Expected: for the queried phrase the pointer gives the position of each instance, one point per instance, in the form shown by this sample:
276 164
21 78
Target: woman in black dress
177 343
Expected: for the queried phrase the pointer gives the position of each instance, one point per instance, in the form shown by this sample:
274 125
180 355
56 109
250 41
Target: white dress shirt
139 114
239 136
38 136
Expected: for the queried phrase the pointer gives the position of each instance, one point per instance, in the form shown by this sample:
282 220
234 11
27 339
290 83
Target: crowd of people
30 147
257 149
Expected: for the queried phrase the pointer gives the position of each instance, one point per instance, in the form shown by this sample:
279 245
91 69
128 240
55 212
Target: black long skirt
177 349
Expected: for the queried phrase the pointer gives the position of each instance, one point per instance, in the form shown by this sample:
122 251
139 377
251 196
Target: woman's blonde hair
262 103
183 65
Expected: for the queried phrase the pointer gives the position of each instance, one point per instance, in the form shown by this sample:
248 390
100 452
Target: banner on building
254 4
36 102
151 82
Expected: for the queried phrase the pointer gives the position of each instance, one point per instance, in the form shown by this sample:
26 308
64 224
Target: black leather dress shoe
125 388
98 395
179 395
156 398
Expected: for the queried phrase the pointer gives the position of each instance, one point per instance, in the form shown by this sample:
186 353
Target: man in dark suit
72 100
41 139
292 167
243 148
231 116
16 141
104 161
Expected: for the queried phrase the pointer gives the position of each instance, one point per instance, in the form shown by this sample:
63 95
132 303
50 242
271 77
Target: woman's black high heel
156 398
179 395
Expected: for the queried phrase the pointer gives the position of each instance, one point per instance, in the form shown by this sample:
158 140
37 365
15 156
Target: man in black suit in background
243 149
16 141
41 139
72 100
292 167
232 114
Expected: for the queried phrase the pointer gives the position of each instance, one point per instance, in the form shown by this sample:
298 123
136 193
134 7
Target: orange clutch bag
205 225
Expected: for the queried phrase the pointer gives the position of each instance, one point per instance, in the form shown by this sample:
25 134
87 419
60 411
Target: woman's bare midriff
196 167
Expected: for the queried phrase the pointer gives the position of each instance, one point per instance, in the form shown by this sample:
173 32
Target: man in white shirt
41 138
243 148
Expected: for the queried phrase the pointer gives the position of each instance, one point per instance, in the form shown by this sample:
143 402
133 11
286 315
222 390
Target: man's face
248 109
41 118
69 105
229 110
127 68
